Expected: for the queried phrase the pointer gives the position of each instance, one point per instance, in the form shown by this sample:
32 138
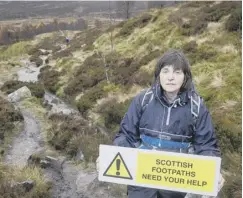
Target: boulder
27 185
79 156
19 94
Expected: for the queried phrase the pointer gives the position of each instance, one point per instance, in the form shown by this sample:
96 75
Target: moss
36 89
13 50
234 22
133 23
89 74
88 143
37 60
217 11
72 135
90 97
8 116
41 188
50 79
61 54
111 87
113 112
142 78
85 39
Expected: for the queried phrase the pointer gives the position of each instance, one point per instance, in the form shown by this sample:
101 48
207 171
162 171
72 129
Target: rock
27 185
47 61
55 101
79 156
85 180
19 94
54 163
35 158
51 159
61 109
44 164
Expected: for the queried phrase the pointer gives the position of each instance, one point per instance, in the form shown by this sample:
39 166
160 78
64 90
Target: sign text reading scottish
161 170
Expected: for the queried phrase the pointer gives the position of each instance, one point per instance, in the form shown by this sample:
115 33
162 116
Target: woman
169 116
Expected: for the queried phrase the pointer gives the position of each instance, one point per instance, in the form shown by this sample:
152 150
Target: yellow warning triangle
118 168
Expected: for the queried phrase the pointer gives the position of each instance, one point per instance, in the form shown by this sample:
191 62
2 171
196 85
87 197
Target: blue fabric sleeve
128 135
205 142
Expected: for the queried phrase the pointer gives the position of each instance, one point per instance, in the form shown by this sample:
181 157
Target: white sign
158 169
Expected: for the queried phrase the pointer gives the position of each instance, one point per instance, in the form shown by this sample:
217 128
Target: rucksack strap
147 98
195 108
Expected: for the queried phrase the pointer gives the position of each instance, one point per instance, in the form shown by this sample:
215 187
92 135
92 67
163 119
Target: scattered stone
44 164
55 101
79 156
19 94
27 185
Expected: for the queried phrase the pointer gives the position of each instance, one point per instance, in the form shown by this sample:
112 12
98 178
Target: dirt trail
69 180
26 143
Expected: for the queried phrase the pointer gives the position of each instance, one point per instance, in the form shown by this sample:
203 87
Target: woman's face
171 80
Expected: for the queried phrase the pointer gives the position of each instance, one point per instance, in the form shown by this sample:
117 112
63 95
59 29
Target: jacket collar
181 99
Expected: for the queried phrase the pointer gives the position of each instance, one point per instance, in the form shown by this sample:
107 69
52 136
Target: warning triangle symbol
118 168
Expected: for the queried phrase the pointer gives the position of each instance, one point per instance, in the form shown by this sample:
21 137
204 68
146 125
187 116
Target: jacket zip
168 116
169 111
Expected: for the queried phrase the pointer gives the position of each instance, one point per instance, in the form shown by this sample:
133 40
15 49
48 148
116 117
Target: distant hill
22 10
10 10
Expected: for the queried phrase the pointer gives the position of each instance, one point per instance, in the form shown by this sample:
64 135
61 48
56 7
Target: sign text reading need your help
158 169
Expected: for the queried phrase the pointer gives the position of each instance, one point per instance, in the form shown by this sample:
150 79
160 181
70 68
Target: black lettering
173 171
144 176
182 181
174 180
189 165
178 172
189 182
164 170
188 173
193 174
168 163
151 177
195 183
153 169
171 179
157 162
162 162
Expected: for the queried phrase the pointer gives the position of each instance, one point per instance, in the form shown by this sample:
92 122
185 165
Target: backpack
195 104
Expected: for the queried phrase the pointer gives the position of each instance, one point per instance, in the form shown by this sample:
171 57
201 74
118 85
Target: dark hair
178 60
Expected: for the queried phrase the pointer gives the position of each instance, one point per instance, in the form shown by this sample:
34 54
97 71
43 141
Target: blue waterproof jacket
168 122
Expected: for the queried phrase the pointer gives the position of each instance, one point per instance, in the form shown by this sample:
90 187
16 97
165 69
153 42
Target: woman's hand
221 183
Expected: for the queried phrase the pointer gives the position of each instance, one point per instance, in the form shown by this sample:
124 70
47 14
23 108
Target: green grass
13 50
10 175
10 125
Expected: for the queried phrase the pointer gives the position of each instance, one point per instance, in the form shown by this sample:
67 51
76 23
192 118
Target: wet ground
29 141
69 181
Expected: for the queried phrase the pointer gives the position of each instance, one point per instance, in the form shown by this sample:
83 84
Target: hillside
101 70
